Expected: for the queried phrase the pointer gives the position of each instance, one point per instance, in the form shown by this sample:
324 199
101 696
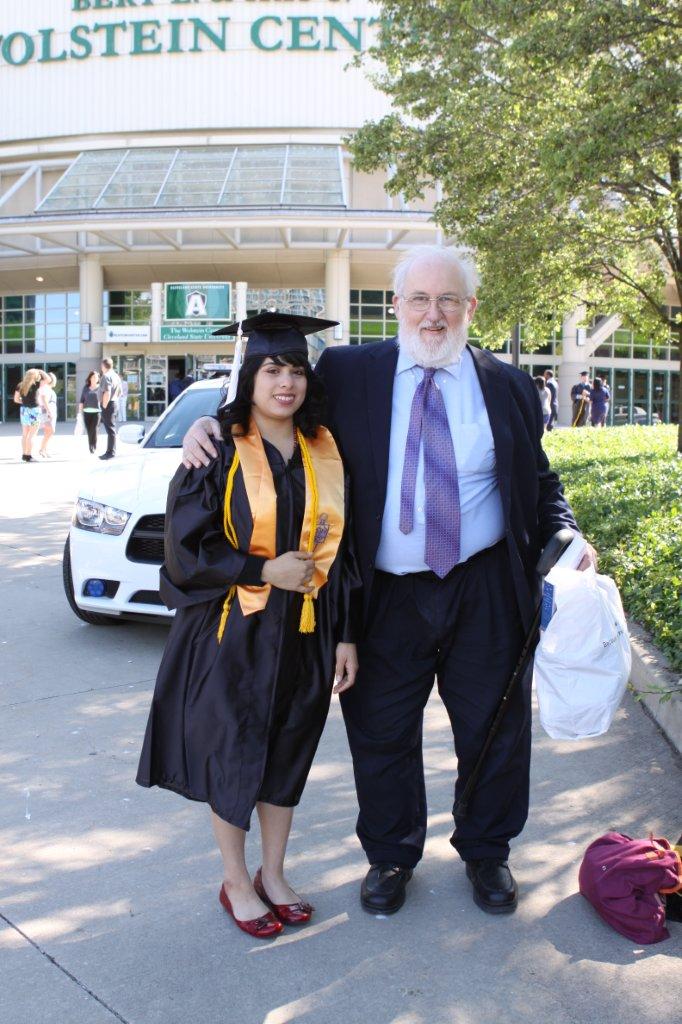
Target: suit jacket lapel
380 374
496 397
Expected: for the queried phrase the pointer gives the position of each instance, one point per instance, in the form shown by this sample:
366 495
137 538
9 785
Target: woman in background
89 407
27 396
48 416
599 399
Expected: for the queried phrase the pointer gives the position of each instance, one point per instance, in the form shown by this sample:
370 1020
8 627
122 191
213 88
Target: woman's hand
197 446
290 571
346 667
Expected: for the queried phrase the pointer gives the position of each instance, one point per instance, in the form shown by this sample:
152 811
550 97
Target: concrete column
91 287
337 293
157 311
240 300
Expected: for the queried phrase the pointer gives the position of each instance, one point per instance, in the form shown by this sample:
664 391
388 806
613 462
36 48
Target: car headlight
91 515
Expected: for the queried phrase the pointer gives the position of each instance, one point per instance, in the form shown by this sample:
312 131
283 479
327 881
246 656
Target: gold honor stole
323 519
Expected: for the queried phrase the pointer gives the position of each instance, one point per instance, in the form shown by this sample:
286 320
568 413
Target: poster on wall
194 301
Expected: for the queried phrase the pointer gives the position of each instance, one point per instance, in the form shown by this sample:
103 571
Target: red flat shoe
287 913
265 927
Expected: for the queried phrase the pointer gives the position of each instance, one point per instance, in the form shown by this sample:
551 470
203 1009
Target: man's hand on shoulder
197 447
589 559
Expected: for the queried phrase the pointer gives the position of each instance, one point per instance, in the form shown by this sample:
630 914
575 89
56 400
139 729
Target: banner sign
192 332
198 301
138 333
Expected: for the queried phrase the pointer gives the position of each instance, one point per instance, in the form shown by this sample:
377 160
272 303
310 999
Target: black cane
552 552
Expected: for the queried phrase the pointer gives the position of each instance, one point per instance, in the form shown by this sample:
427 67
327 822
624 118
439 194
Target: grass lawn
625 487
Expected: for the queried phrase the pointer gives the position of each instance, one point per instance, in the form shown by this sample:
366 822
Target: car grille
146 540
146 597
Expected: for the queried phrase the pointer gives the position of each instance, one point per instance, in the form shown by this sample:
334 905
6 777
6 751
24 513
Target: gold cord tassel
226 611
307 623
231 535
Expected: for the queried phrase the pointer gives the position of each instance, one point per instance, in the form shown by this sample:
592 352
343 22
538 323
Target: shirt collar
406 362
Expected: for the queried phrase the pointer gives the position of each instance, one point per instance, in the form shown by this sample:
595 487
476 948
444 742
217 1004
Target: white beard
440 353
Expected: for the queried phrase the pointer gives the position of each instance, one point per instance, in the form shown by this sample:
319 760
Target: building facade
149 142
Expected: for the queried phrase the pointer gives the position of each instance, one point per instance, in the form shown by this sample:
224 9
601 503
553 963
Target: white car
115 546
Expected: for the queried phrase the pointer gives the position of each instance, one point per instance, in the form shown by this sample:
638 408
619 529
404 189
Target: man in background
109 395
580 397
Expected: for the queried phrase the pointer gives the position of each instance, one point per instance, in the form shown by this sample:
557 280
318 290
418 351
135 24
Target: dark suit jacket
359 382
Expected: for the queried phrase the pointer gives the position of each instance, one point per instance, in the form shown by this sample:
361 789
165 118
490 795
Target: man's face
434 335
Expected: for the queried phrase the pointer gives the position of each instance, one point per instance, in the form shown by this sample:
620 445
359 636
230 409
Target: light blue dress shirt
479 497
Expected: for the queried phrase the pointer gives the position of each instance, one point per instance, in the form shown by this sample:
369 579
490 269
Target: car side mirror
131 433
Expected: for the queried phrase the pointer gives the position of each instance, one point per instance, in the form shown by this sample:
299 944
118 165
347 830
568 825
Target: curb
651 668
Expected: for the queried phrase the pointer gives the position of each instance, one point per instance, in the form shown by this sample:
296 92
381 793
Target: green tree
554 130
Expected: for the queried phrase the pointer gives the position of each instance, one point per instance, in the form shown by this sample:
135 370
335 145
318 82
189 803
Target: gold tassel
226 611
231 535
307 623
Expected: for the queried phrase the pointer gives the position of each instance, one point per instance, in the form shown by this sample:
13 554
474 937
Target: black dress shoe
383 888
107 455
495 890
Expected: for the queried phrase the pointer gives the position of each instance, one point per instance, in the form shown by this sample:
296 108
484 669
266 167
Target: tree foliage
554 129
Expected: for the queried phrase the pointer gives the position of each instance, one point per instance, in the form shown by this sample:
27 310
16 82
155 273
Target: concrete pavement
109 892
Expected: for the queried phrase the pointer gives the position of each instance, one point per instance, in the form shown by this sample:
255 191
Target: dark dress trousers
465 630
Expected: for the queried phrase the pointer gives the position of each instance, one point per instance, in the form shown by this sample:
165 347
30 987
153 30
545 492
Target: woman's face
279 391
94 380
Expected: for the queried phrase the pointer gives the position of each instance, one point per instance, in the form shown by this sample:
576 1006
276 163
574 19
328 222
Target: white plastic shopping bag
583 659
79 426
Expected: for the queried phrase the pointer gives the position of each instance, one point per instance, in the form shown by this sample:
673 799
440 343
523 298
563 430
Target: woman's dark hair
93 373
597 384
540 381
308 418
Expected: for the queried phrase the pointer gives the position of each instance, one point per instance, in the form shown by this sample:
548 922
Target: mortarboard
270 334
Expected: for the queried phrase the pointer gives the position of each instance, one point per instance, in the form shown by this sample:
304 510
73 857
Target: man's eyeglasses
446 303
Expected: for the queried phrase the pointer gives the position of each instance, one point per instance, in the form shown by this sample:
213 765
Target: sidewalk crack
55 963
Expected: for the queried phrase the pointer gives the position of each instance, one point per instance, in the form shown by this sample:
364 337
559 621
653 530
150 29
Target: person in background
109 394
89 407
48 416
26 395
179 384
580 397
123 401
175 386
553 386
545 399
599 402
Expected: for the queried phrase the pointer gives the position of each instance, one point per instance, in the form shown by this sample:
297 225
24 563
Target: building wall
154 67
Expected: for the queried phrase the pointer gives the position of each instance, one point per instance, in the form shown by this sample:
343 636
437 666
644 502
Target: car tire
91 617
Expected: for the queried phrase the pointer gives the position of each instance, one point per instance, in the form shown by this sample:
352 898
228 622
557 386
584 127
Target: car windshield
189 407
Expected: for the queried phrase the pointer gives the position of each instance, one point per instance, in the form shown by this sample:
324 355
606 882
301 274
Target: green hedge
625 487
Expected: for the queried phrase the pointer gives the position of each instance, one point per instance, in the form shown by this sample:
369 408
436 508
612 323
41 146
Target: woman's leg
275 826
237 881
48 431
90 419
28 438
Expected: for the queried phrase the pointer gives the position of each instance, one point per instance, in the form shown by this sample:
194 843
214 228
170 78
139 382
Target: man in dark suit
453 501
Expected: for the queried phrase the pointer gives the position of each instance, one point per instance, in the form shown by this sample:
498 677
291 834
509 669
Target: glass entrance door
130 370
156 374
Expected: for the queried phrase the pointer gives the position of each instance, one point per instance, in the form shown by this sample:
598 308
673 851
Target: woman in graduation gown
260 570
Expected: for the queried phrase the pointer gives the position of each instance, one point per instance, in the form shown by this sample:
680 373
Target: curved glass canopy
200 176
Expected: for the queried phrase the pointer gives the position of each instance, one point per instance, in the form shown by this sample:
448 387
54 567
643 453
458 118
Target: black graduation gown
239 721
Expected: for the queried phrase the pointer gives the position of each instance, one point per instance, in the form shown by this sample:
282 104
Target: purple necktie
428 420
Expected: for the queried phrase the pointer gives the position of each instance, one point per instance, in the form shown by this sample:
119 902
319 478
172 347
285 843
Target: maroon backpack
625 879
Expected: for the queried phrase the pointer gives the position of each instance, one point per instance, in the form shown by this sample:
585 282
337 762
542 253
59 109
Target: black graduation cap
271 334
